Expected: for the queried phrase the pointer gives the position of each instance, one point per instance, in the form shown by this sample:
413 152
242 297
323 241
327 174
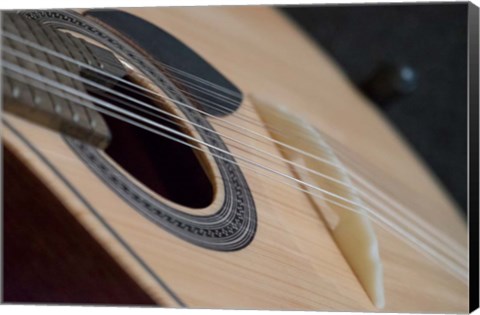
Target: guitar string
48 81
442 237
377 202
333 143
101 87
388 230
34 76
123 81
405 237
301 139
448 252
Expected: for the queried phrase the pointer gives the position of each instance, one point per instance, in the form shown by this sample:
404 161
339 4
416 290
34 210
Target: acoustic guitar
210 157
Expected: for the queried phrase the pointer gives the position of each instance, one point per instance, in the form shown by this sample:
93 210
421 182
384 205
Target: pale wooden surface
293 262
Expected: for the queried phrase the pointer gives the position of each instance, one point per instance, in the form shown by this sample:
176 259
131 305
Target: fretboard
41 69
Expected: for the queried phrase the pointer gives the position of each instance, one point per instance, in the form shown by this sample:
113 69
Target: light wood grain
293 263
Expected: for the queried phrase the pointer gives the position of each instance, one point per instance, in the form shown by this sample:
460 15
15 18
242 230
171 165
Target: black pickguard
171 52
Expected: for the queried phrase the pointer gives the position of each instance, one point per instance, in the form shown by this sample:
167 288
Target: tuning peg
390 82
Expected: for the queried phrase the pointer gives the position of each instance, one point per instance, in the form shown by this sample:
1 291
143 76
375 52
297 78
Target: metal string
34 76
434 231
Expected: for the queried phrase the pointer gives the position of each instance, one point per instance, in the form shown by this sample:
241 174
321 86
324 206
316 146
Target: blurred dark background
421 50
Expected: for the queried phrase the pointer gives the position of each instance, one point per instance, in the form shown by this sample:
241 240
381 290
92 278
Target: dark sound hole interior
167 167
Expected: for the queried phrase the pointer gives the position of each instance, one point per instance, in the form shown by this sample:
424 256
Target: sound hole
169 168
